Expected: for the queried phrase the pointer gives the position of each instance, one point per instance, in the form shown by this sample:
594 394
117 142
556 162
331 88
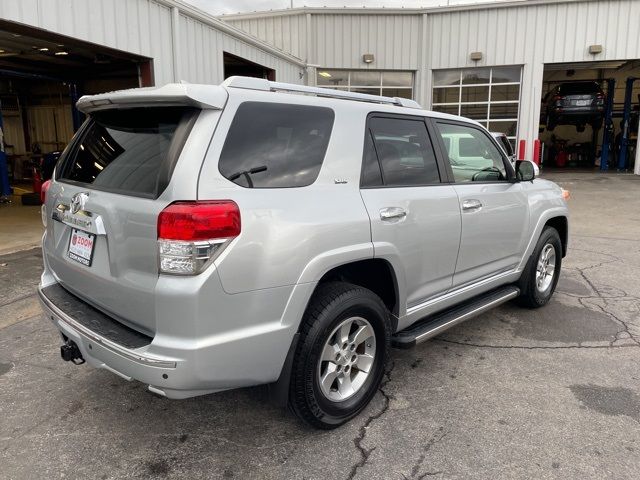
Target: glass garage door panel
489 95
446 95
390 83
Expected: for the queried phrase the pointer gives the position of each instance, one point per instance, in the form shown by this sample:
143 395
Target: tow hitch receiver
71 353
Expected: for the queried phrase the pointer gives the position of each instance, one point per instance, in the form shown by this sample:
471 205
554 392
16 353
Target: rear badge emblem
78 201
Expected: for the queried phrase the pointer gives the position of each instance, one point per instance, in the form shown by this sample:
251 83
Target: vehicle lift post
626 115
608 125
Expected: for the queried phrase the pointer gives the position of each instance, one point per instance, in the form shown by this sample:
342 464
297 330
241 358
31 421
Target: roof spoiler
172 94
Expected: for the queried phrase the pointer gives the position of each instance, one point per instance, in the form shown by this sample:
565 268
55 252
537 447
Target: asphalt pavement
549 393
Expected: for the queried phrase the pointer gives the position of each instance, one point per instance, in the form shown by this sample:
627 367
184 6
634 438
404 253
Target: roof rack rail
268 86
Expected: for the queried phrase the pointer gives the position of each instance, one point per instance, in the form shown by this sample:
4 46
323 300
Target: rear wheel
540 276
341 355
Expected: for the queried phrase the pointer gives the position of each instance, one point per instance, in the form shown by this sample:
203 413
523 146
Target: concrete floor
551 393
20 226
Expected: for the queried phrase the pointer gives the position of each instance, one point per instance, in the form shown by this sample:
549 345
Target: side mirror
525 170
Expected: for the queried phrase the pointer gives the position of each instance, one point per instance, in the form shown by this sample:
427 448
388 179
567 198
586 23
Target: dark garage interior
234 65
589 115
41 77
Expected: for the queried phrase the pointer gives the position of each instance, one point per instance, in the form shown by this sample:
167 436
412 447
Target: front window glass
472 155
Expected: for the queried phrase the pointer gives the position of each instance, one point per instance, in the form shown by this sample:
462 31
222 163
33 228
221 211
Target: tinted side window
273 145
472 155
128 151
405 151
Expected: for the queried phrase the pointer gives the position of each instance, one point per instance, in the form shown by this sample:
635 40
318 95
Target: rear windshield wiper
247 174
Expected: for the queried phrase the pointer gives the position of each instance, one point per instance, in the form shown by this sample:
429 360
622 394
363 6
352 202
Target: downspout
310 72
175 42
422 86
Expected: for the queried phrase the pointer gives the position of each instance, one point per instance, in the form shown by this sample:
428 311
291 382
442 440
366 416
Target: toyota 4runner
202 238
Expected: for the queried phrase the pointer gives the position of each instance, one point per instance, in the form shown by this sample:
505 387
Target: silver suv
202 238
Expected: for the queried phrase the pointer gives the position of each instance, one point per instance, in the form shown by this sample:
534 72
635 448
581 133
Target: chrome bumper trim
99 339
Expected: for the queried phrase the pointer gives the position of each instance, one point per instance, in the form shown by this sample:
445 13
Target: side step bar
438 323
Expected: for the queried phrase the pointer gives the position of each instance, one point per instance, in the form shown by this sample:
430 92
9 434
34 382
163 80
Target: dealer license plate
81 246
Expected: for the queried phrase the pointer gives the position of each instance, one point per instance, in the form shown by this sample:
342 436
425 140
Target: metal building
491 62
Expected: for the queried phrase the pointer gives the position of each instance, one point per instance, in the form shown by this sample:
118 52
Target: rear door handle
391 213
471 205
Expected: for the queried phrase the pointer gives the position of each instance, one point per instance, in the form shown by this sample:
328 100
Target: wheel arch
375 274
561 224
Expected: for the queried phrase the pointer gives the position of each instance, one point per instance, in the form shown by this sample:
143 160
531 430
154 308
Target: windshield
582 88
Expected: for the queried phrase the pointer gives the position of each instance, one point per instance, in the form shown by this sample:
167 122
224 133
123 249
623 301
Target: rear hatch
584 100
102 210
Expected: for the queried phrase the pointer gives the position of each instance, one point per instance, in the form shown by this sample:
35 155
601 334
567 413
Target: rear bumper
89 337
578 111
177 366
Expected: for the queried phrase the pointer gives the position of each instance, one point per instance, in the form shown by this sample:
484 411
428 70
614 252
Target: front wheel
540 276
341 355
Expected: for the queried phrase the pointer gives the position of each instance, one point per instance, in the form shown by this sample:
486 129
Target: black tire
531 295
331 305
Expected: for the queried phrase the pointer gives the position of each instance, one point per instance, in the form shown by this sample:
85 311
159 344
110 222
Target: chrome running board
434 325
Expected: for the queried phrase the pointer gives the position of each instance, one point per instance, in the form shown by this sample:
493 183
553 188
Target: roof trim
486 5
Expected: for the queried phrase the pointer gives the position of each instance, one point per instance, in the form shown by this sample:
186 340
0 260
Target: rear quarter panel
293 235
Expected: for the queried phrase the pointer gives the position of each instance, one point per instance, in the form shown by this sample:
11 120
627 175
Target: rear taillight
44 188
43 191
192 234
558 100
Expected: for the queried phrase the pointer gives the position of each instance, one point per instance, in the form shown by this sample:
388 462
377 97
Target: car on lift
574 103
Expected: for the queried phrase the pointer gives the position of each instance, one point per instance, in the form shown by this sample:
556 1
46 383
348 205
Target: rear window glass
273 145
128 151
579 88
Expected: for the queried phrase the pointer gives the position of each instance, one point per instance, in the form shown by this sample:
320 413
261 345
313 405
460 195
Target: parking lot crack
362 432
415 470
603 309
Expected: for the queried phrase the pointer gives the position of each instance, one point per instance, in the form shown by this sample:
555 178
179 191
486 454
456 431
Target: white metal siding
201 49
287 33
144 27
551 33
340 40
